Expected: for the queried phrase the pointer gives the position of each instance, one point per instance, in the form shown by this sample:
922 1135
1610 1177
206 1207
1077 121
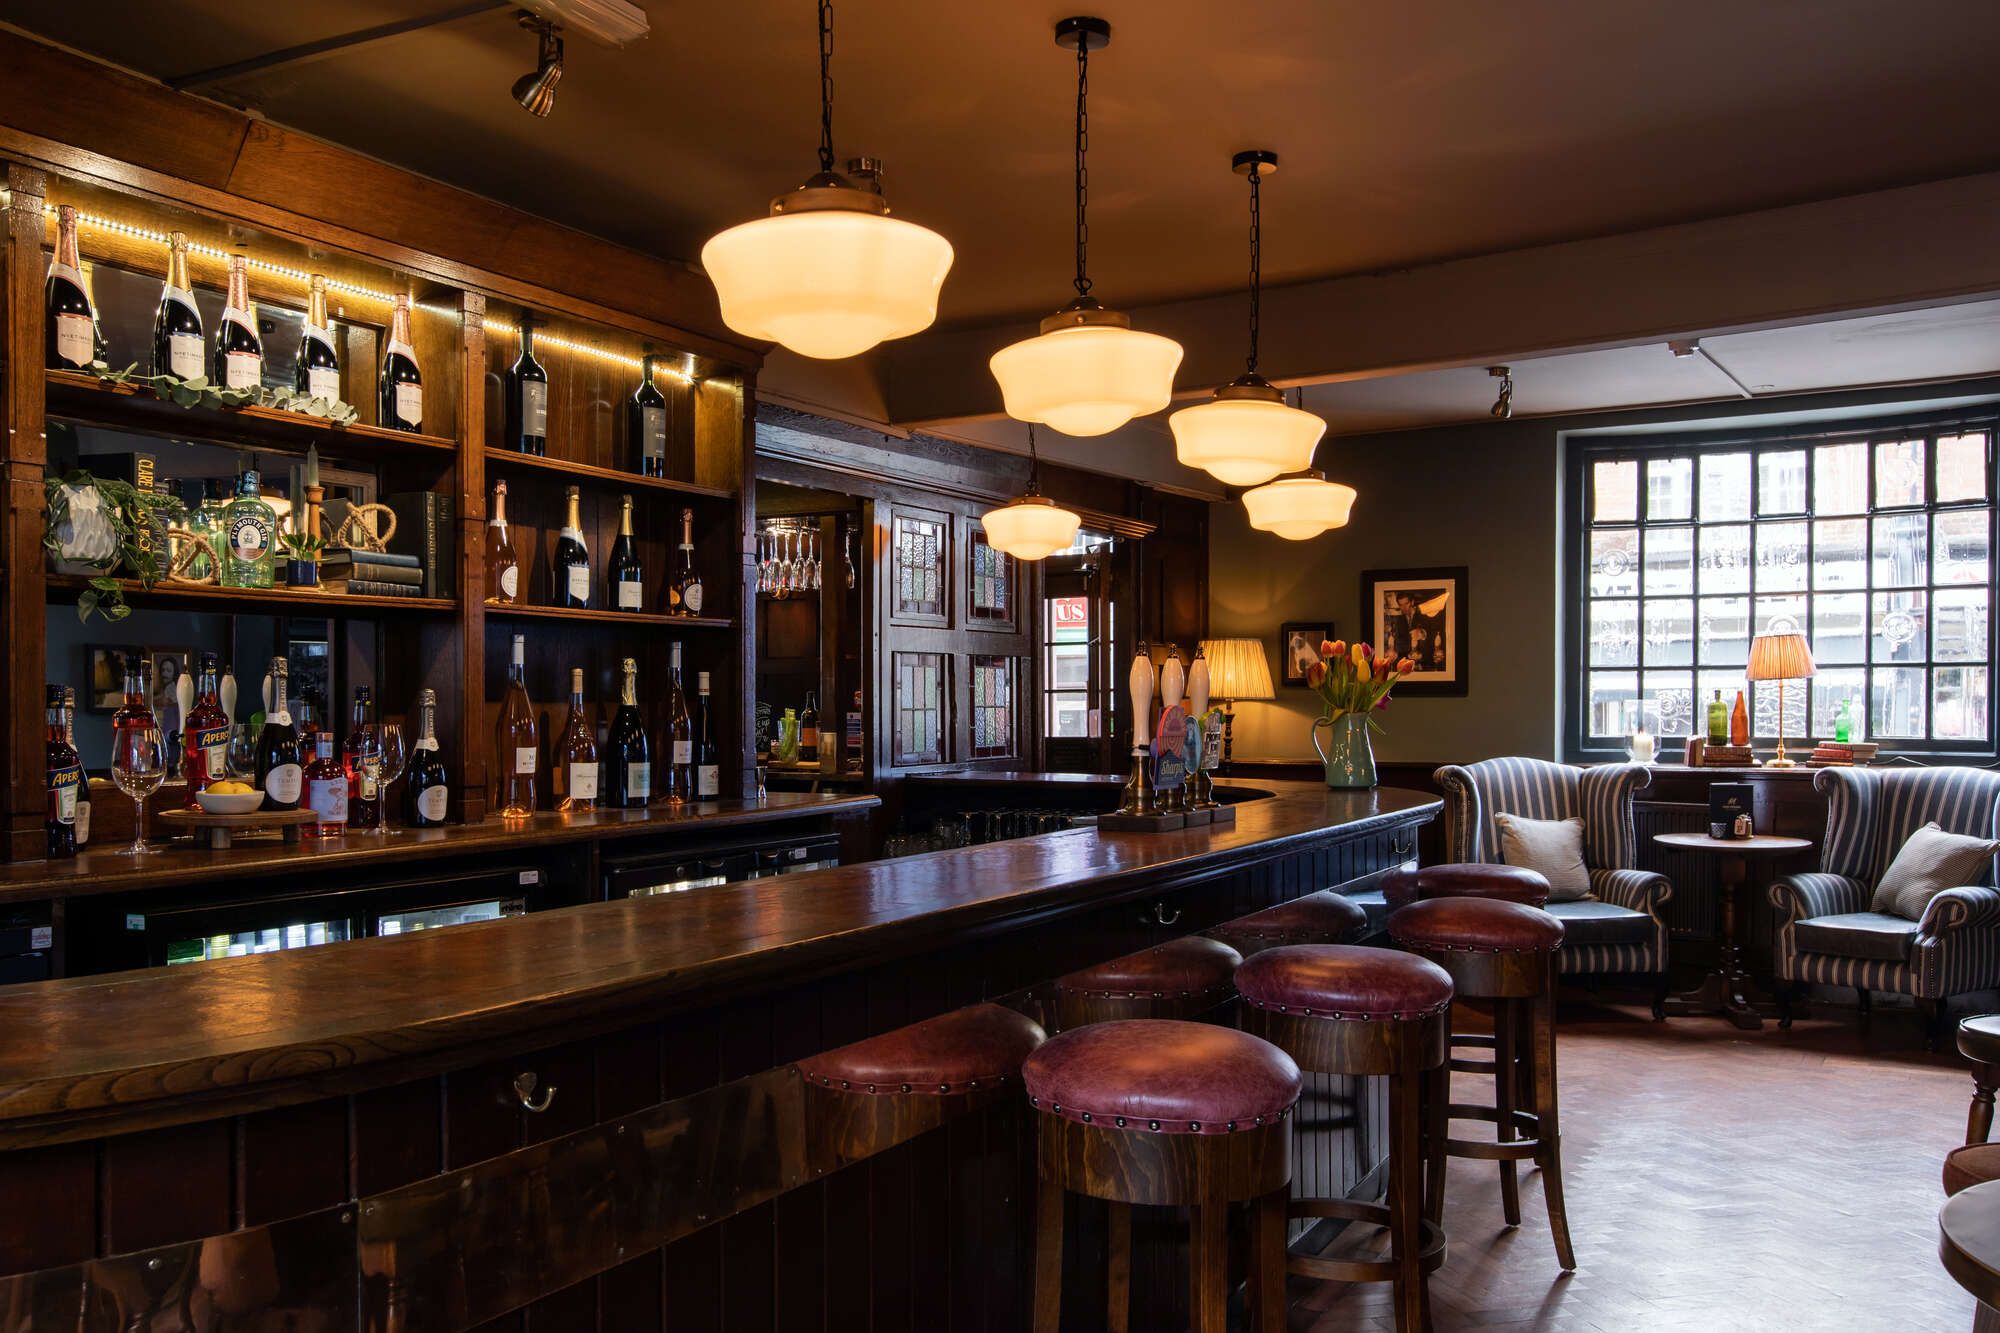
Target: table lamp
1781 657
1237 669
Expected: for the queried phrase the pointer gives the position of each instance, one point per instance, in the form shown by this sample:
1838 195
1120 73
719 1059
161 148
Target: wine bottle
82 782
628 765
516 748
576 754
809 730
527 397
248 524
326 790
503 567
177 324
624 580
363 758
204 735
646 421
571 581
684 595
707 759
400 404
239 352
680 734
65 778
278 772
426 792
317 373
70 342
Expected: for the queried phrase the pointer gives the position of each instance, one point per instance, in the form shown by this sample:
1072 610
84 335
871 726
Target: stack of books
1727 756
371 573
1841 754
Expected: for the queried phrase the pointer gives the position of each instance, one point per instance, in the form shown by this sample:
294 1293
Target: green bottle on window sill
1718 720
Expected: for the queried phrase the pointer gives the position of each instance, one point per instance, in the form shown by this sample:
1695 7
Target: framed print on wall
1419 614
1298 648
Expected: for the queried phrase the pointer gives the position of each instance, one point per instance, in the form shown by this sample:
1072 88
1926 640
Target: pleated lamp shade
1237 669
1780 657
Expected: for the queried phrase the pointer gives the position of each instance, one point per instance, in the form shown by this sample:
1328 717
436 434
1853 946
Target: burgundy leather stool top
1514 884
962 1051
1162 1075
1327 913
1475 925
1189 966
1345 981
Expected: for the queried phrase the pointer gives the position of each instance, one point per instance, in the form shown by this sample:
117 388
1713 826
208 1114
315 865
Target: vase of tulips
1353 685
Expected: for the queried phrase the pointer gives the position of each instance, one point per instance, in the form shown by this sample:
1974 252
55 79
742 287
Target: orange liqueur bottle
514 742
503 567
1739 723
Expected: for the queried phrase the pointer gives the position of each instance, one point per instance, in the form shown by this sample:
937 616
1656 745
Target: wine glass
394 759
138 766
763 561
368 764
242 750
812 577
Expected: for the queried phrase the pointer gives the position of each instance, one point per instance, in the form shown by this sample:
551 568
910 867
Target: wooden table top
1969 1240
1758 842
96 1049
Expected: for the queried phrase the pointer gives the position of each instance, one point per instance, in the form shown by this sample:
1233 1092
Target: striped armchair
1826 933
1619 929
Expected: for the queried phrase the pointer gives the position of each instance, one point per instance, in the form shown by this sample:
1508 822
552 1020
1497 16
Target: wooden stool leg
1506 1077
1542 1032
1267 1262
1208 1267
1406 1197
1437 1128
1979 1120
1118 1296
1048 1256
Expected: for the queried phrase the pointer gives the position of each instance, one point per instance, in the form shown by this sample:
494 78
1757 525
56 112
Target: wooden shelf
74 397
520 611
604 476
260 601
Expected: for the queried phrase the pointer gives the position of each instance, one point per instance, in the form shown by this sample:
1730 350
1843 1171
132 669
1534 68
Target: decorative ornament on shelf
1088 371
1246 434
200 391
1352 684
828 274
1031 526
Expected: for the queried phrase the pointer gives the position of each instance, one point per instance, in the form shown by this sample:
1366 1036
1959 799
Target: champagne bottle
326 790
684 595
503 567
363 757
515 745
317 371
809 730
426 792
249 525
527 397
625 581
177 324
576 754
646 421
628 767
204 735
680 735
707 759
65 781
571 582
70 341
400 404
239 352
278 772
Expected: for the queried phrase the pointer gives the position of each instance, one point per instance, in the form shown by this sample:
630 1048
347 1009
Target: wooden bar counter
412 1132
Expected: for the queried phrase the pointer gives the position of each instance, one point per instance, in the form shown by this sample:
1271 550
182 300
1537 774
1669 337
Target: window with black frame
1876 542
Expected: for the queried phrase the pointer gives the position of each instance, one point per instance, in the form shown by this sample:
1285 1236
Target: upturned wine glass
138 766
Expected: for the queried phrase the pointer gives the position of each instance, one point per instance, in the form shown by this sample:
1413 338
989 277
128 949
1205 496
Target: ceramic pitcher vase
1350 761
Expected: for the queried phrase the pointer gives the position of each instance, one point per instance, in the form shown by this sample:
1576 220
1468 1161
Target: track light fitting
536 91
1503 405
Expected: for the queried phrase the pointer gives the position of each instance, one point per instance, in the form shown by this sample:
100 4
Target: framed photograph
105 690
165 667
1419 614
1298 647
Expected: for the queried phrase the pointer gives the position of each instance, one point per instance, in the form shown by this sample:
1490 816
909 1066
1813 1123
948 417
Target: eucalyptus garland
199 391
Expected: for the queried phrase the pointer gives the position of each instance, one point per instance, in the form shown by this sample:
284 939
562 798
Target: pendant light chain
826 85
1256 264
1082 167
1034 463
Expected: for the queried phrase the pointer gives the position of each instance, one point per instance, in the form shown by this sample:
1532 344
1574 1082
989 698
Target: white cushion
1930 862
1552 846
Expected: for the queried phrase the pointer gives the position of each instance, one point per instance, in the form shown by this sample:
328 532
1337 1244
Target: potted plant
1352 685
97 526
302 557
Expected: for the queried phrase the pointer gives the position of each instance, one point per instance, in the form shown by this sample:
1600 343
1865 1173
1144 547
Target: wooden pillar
22 580
473 732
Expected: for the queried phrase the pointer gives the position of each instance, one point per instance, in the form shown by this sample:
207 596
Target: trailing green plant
136 518
198 391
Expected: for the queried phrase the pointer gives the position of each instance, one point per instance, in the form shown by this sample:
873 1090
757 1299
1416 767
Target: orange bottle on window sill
1739 723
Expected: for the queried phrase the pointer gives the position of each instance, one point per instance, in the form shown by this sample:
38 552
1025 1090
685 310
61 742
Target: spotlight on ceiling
536 92
1503 406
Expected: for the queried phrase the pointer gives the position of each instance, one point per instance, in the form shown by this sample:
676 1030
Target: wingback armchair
1827 931
1619 929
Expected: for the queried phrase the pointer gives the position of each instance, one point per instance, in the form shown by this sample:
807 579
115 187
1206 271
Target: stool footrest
1524 1122
1479 1040
1430 1251
1460 1065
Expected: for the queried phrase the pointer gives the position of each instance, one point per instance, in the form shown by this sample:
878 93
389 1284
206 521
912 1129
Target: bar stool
1171 1113
1179 979
1505 953
1345 1009
1326 917
1979 1042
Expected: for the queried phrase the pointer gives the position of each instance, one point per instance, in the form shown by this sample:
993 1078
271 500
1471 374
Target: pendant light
1246 434
1301 506
1031 526
829 273
1089 371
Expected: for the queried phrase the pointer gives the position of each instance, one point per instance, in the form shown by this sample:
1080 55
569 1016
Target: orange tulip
1316 674
1405 667
1338 648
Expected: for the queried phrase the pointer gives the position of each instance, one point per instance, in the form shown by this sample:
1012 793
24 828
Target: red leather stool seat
1513 884
1474 925
1162 1075
1327 916
1974 1164
962 1051
1345 981
1185 967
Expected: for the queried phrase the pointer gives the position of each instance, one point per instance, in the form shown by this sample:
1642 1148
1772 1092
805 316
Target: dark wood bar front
415 1129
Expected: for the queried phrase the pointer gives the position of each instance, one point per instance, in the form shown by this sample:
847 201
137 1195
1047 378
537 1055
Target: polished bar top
272 1027
102 870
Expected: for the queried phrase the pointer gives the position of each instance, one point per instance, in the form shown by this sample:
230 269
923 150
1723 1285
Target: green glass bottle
1718 720
248 526
1843 724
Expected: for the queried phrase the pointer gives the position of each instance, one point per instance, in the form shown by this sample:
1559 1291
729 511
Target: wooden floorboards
1716 1180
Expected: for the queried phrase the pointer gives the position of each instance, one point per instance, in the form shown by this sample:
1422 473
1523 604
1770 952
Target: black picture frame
1309 634
1441 631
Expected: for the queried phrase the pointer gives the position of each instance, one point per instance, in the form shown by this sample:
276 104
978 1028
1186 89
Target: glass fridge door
452 914
234 944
